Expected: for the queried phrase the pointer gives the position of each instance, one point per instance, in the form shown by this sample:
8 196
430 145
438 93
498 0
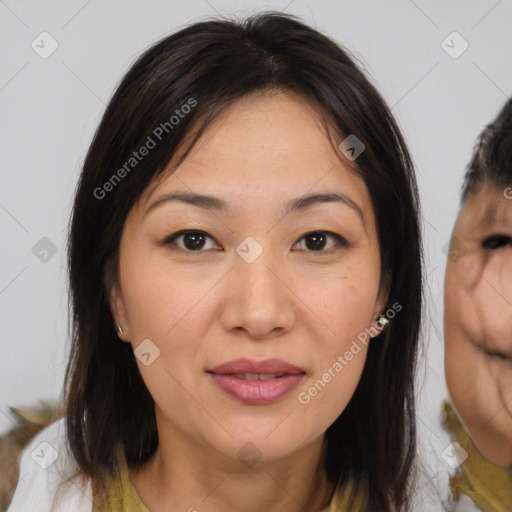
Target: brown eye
191 240
496 242
317 240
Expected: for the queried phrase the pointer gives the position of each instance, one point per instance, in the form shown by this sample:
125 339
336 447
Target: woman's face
246 283
478 319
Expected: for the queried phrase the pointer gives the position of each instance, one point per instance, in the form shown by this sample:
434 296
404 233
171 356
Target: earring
382 321
119 330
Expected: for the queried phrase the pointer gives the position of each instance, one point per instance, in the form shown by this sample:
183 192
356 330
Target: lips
256 376
257 383
246 366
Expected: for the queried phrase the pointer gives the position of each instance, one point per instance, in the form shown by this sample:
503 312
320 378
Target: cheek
339 343
326 394
461 367
462 317
461 324
161 301
453 322
494 298
344 301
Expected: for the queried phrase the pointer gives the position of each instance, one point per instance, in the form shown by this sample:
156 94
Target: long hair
207 66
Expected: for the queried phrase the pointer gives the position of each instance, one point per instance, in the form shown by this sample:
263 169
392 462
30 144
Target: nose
259 301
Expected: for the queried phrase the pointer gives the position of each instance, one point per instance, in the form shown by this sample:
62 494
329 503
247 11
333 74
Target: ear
380 304
118 310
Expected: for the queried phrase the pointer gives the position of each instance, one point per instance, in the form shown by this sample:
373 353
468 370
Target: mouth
257 383
255 376
275 367
493 352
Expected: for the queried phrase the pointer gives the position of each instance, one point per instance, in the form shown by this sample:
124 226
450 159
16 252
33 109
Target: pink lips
257 383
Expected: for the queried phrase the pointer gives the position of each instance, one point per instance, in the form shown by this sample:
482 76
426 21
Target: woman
244 229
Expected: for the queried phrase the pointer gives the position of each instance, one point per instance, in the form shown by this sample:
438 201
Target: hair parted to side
108 407
492 155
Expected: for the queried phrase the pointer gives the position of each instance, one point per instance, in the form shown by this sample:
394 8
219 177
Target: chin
261 444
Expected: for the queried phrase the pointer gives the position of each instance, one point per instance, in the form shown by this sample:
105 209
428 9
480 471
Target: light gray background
50 108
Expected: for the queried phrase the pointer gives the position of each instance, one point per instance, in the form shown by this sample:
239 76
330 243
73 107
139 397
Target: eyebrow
297 204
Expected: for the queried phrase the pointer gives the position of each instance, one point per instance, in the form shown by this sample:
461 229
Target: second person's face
478 320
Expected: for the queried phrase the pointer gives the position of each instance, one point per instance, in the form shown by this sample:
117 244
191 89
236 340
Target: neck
185 476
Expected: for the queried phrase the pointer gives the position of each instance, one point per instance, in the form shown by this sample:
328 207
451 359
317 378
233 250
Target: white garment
465 504
44 462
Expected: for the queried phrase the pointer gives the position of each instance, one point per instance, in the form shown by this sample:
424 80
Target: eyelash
496 242
342 242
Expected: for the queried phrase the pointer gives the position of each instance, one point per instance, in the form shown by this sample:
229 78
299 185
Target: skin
203 308
477 322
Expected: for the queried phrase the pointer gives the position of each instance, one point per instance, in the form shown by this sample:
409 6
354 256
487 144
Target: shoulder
44 463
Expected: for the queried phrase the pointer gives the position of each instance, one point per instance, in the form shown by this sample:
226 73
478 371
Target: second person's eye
496 241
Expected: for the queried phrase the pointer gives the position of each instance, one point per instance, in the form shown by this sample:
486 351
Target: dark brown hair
491 162
372 443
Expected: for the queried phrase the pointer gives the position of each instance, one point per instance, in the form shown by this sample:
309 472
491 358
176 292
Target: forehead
487 208
267 143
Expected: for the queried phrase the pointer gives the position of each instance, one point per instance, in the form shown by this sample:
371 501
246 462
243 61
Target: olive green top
489 486
123 497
